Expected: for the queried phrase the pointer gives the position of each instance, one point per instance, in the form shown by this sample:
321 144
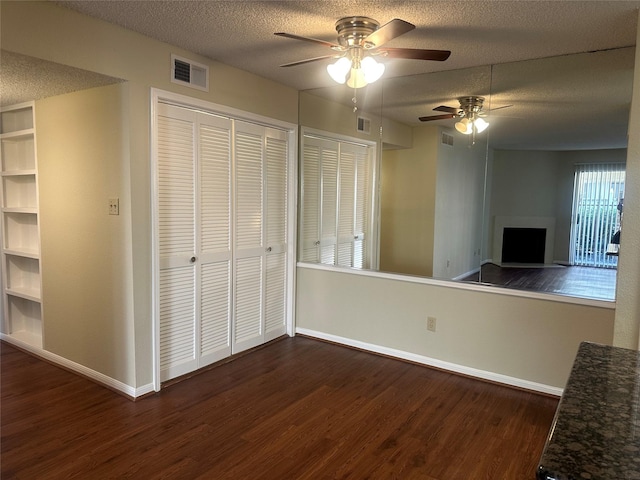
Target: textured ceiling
240 33
505 50
26 78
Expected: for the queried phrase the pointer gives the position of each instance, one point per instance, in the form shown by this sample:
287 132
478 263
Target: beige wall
407 205
459 206
44 30
86 273
524 338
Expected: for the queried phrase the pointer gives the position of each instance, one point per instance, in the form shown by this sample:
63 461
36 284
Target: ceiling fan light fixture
372 69
357 78
480 125
464 126
338 71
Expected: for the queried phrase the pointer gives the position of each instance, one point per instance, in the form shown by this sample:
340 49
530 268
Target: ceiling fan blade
444 108
499 108
308 60
416 53
335 46
389 31
437 117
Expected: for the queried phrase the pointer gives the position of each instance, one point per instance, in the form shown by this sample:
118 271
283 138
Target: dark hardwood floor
575 281
295 409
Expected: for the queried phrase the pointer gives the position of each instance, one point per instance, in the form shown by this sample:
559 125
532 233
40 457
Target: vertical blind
598 192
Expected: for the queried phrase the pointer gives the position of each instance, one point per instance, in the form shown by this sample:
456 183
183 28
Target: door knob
192 259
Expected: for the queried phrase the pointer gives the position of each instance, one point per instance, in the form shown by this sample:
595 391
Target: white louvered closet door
261 178
176 192
310 189
276 234
222 208
353 201
194 216
336 202
214 238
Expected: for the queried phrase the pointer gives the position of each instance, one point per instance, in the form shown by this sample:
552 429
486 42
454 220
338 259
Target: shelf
20 262
23 277
20 191
18 152
18 134
20 231
26 210
18 173
33 339
16 119
32 295
24 320
22 253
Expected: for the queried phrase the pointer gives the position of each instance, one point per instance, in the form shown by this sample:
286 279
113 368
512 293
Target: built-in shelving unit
21 275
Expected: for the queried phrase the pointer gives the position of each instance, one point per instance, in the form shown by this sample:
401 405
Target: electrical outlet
431 324
114 206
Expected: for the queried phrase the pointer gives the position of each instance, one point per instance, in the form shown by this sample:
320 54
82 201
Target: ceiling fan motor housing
471 106
353 30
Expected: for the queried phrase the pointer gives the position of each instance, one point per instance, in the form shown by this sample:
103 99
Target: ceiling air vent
189 73
447 139
364 125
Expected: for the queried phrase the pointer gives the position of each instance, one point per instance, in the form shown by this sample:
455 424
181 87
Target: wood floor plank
296 409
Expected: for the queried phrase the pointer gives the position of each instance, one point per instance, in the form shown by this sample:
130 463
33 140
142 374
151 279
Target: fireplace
523 245
523 240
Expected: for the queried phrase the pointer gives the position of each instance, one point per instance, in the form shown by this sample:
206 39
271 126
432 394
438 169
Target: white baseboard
466 274
432 362
80 369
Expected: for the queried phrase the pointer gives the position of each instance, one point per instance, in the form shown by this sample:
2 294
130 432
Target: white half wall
532 338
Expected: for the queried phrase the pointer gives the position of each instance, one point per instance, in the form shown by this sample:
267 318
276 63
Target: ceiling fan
470 113
359 40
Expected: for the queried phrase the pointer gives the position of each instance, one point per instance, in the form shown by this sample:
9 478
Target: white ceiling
479 33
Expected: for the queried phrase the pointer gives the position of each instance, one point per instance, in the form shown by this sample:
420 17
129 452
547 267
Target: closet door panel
249 189
310 190
249 247
214 154
177 308
346 209
248 325
275 296
215 312
176 241
277 178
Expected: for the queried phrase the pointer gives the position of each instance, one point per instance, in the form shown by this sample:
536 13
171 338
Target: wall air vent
189 73
447 139
364 125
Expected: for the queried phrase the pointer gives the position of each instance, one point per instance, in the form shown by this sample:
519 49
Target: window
336 219
597 206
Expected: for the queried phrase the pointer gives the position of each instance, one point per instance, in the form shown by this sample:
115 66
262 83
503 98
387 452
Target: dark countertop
595 434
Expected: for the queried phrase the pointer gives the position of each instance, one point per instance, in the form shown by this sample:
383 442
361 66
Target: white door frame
158 96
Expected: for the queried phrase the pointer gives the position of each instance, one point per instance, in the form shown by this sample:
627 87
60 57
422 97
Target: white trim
478 287
466 274
81 369
433 362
